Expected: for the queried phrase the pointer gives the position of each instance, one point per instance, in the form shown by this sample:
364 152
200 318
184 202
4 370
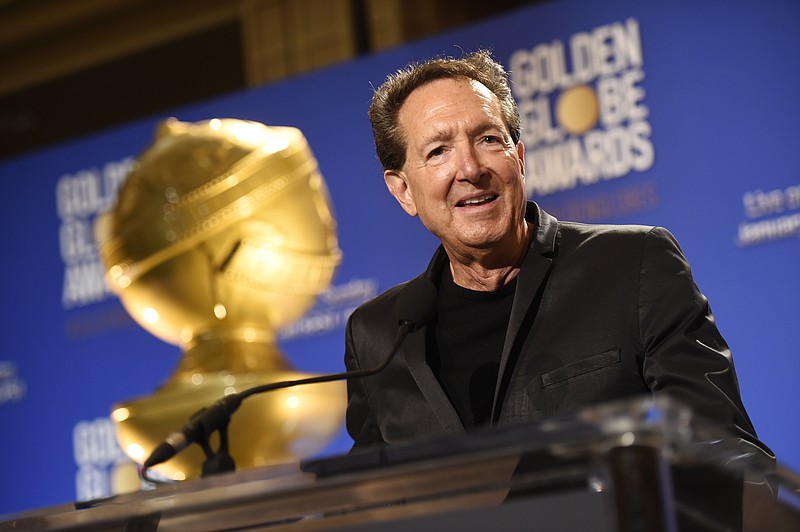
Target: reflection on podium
637 465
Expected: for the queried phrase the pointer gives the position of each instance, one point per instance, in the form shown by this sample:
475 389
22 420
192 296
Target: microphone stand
216 418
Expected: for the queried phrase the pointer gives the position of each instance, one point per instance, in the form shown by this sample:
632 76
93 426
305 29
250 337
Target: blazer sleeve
361 422
685 355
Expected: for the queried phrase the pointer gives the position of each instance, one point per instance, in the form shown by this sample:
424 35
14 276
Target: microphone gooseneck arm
415 305
402 331
217 417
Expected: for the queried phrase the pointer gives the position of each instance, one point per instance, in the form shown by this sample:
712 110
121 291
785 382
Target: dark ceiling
70 68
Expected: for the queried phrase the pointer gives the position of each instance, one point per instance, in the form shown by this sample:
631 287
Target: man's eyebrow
441 133
446 132
489 125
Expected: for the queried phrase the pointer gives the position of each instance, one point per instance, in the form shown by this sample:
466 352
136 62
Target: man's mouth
477 200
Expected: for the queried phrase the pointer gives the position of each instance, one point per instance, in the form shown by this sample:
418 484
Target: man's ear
521 156
397 183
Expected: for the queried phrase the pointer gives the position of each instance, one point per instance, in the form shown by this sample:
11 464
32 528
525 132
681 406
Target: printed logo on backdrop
584 116
103 469
80 197
333 308
771 215
12 386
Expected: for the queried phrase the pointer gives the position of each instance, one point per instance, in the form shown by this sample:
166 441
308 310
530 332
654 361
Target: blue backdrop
696 130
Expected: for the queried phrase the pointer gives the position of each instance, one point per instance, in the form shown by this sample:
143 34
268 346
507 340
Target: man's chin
485 239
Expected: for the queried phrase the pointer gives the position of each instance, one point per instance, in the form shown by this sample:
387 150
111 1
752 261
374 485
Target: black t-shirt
465 345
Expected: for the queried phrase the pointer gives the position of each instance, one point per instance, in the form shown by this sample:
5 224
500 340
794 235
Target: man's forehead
435 85
445 94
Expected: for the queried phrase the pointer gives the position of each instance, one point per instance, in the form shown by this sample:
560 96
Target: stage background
698 131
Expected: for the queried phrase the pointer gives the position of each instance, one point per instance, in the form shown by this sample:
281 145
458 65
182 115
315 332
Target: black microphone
415 305
200 426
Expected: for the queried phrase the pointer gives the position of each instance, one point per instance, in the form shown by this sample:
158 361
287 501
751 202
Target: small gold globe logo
577 109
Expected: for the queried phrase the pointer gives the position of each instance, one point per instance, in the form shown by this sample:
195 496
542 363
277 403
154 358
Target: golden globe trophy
222 233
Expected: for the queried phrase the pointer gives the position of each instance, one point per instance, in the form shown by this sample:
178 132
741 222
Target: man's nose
470 166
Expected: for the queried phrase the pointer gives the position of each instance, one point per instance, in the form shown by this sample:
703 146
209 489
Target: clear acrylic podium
636 465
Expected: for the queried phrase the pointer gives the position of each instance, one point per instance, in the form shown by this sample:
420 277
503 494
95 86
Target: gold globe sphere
222 233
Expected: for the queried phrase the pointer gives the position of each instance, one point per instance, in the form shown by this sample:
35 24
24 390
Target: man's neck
489 270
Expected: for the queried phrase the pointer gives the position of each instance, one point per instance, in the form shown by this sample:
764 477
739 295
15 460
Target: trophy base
281 426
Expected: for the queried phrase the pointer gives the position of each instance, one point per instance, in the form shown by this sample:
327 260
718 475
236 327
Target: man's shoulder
382 301
380 309
611 230
580 232
613 238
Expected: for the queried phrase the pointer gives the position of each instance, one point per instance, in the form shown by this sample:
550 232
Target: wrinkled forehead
449 84
448 98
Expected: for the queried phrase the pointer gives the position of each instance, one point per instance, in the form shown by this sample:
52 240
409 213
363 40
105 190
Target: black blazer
601 312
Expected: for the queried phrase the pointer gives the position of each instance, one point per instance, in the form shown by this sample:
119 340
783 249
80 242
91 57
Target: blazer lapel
533 273
414 351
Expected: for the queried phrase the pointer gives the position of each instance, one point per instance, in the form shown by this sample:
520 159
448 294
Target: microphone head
416 303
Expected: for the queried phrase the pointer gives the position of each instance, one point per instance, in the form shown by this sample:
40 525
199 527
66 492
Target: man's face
463 176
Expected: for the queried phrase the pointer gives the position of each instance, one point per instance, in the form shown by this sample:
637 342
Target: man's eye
489 139
436 152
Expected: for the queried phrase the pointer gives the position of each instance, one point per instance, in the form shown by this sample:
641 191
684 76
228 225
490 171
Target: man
535 316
